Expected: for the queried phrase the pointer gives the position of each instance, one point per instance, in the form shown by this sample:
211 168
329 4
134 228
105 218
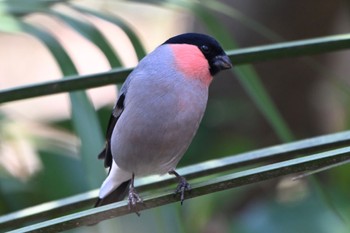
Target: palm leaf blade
221 183
333 145
238 56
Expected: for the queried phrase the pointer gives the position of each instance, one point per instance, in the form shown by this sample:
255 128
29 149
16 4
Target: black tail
117 195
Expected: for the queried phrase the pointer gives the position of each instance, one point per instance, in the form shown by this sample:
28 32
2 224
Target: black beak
222 62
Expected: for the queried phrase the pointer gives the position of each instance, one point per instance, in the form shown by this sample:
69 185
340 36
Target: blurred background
49 145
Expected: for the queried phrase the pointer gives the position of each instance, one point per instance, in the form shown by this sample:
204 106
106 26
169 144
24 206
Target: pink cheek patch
191 62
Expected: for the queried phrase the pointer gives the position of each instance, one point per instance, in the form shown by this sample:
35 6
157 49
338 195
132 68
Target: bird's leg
133 197
182 186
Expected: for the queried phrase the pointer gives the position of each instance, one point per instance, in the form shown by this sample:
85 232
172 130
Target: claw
133 197
182 187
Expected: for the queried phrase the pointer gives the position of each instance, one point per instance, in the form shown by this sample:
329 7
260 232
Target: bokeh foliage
309 206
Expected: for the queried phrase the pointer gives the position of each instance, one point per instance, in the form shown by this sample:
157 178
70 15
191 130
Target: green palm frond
306 156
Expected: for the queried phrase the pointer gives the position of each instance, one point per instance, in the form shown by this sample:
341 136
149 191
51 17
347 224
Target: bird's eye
205 49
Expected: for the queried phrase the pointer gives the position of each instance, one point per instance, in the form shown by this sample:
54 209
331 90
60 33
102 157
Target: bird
157 114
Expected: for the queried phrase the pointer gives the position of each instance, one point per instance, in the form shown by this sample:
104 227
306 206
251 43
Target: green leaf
8 23
221 183
84 116
20 8
238 56
246 75
91 33
65 63
137 45
70 83
285 151
249 22
252 84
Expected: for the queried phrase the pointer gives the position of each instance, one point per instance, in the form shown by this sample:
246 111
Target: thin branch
238 57
237 179
265 155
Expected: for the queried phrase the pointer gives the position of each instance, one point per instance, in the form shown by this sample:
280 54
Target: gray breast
162 113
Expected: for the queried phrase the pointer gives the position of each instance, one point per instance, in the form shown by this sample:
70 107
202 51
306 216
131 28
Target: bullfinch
157 114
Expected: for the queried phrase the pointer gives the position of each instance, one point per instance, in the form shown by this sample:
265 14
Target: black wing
117 111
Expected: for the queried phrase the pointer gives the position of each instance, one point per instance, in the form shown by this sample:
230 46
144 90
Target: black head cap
211 49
